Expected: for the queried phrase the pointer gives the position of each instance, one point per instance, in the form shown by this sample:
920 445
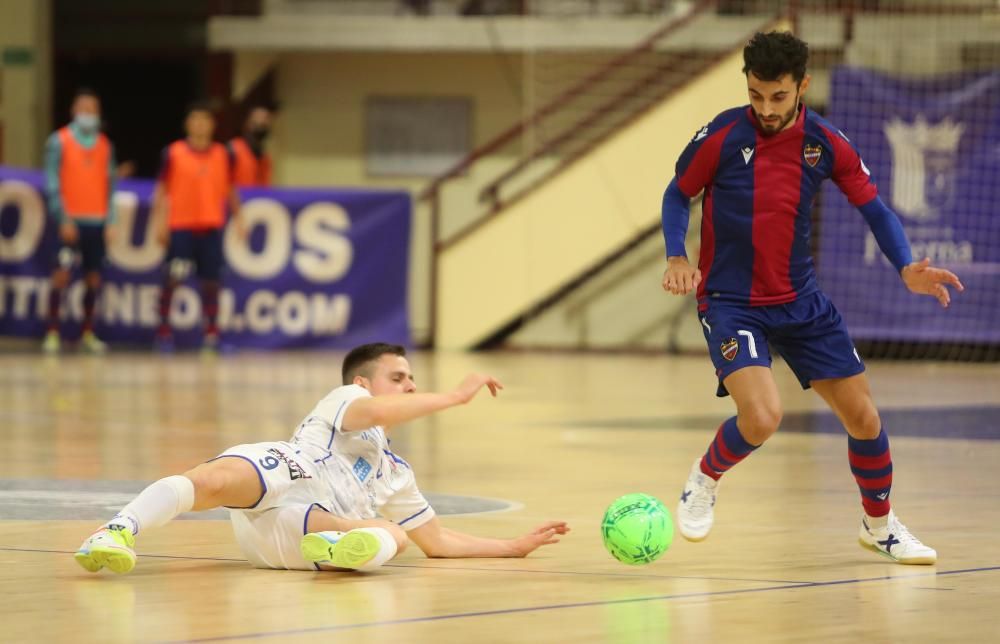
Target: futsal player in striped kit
760 167
312 502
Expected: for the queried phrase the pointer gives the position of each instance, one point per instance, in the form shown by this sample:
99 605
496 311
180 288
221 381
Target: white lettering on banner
330 316
260 311
118 303
185 308
122 252
30 222
149 305
327 255
273 258
24 289
940 251
292 313
227 303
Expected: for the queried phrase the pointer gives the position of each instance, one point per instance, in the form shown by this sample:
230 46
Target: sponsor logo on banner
303 277
730 348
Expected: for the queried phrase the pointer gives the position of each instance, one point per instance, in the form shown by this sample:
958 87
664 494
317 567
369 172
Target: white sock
156 505
877 522
387 550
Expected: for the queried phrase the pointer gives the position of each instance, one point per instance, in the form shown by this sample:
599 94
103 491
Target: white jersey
353 475
365 478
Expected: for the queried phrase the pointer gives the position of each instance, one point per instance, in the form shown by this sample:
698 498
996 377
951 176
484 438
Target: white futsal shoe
695 511
894 541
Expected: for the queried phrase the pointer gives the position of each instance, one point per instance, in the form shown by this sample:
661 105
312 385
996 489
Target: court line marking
550 607
602 574
462 569
612 602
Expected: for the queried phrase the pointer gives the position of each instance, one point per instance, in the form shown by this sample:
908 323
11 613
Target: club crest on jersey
812 153
730 348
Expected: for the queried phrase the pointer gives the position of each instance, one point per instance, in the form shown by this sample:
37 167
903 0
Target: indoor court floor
81 435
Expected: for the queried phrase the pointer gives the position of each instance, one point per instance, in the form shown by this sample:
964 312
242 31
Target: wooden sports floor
80 435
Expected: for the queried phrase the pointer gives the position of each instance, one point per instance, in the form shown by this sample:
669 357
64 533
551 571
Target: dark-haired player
312 502
760 166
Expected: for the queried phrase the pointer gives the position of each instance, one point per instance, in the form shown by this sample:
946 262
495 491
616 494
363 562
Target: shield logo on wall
924 165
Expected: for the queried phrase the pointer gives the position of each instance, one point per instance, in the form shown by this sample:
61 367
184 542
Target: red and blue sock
871 465
728 449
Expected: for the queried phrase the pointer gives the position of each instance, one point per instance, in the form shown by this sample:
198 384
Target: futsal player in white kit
313 502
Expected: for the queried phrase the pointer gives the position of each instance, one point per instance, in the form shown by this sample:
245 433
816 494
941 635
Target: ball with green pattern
637 529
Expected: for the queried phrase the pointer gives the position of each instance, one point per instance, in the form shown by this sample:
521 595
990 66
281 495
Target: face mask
87 122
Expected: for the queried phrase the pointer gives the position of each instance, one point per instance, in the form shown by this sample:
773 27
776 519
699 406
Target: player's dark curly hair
772 55
359 361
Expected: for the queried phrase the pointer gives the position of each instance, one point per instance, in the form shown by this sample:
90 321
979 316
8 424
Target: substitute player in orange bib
251 162
190 203
313 502
80 184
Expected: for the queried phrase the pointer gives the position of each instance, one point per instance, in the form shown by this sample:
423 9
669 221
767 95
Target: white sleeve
332 408
408 508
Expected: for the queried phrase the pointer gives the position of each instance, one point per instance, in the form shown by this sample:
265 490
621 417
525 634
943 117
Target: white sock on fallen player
156 505
387 549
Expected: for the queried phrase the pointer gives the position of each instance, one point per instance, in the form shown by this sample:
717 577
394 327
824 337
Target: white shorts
271 538
269 531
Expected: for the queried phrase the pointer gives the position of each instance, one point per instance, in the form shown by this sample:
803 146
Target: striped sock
871 464
89 300
210 305
728 449
166 295
55 299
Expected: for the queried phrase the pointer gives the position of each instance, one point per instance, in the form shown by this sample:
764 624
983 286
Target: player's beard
773 127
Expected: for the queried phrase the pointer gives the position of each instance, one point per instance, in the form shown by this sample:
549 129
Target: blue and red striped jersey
759 190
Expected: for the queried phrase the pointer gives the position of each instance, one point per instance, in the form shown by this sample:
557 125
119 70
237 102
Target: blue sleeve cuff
675 213
888 232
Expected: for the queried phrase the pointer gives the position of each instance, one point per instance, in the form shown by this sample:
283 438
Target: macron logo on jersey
747 154
702 133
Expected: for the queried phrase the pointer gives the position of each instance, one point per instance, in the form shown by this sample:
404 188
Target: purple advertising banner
319 268
933 148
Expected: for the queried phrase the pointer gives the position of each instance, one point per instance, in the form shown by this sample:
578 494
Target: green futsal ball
637 529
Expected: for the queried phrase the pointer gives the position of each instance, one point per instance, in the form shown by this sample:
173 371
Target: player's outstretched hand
921 277
543 535
469 387
680 278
